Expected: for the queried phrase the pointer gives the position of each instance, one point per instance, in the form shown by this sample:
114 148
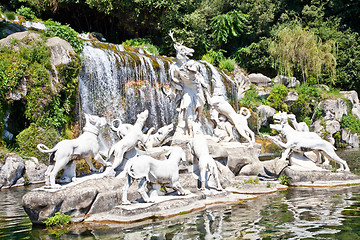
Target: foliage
250 99
10 15
299 52
228 25
29 138
350 122
26 12
55 29
308 99
276 97
144 43
250 180
58 220
227 64
284 180
214 57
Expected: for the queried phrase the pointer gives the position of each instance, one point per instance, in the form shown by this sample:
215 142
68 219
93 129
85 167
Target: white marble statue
223 129
155 140
207 164
85 146
190 85
303 141
131 138
237 119
152 171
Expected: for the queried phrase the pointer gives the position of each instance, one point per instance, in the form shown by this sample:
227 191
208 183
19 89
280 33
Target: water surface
297 213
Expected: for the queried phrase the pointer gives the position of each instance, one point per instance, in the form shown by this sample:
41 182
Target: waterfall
119 82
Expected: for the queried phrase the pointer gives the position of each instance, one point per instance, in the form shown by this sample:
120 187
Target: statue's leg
202 175
59 164
99 159
242 132
177 187
285 154
91 166
47 174
216 176
118 158
141 190
124 200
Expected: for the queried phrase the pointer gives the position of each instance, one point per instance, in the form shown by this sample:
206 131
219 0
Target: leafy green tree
298 51
228 25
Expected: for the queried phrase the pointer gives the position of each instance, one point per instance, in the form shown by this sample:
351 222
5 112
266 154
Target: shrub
55 29
143 43
350 122
10 15
284 180
277 96
227 64
26 12
250 99
214 56
29 138
58 220
306 104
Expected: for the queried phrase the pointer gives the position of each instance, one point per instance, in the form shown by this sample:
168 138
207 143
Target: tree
299 52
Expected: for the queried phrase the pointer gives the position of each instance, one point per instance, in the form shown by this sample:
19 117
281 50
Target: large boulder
12 170
76 200
349 138
291 97
352 96
23 37
264 113
34 170
307 177
333 109
259 79
61 54
289 82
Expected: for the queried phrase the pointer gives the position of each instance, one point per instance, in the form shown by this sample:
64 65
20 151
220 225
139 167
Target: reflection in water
298 213
301 213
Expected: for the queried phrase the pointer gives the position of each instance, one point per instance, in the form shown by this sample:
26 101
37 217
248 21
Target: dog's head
178 153
95 120
141 117
280 117
165 130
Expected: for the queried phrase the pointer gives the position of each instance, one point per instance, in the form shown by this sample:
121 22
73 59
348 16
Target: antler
171 34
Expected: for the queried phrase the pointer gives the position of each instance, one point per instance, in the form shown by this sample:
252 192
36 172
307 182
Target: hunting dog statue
303 142
206 163
237 119
152 171
133 135
85 146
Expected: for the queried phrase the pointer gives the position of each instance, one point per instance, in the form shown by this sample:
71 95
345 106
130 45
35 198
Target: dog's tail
247 112
44 149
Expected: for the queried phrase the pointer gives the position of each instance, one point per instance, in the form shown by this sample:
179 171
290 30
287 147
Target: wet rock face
12 170
75 200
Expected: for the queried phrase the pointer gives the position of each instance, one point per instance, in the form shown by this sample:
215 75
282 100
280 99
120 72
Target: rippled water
298 213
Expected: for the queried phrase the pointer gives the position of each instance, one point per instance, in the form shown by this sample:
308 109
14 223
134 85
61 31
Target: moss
28 139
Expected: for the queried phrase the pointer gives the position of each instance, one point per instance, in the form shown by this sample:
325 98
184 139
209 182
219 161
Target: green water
298 213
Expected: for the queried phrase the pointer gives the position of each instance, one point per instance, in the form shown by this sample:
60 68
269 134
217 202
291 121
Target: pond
297 213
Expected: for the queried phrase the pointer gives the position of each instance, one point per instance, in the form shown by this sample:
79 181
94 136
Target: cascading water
118 82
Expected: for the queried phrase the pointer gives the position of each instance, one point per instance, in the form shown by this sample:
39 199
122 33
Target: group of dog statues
192 92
